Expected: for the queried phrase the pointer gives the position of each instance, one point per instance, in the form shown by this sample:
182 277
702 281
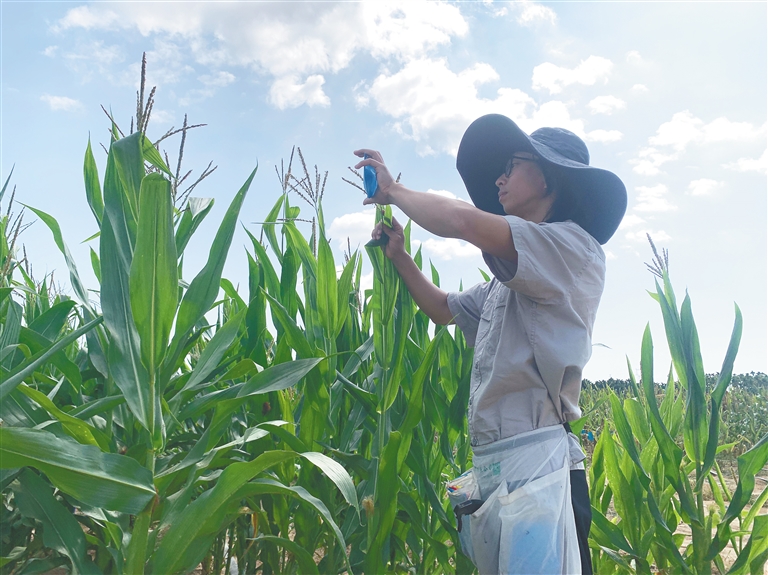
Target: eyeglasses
510 164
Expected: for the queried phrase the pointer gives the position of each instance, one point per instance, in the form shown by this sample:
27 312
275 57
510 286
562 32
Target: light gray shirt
531 327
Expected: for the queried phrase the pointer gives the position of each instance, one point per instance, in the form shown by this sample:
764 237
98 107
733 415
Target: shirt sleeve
551 258
466 307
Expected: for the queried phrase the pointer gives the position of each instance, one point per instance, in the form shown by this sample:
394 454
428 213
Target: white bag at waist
526 524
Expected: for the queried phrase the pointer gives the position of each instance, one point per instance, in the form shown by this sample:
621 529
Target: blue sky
670 96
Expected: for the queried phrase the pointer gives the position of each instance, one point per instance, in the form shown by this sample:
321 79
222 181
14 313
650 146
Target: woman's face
523 192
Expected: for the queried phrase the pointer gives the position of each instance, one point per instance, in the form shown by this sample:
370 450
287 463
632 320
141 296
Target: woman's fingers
369 162
373 154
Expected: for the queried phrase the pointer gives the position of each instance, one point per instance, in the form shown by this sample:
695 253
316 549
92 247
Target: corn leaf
61 531
265 486
76 428
50 323
92 186
327 289
295 336
180 549
716 398
74 276
274 378
388 486
304 559
204 288
153 280
695 430
749 464
754 555
269 227
337 474
26 368
152 155
214 351
271 281
191 218
129 166
84 472
123 352
36 343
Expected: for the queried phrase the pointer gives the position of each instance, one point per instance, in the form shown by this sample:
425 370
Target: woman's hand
395 247
385 179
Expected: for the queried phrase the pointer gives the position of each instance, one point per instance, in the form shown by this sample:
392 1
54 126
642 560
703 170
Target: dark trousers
582 511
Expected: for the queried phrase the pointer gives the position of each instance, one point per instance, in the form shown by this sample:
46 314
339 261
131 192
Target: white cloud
218 80
50 51
289 92
162 116
759 165
434 105
634 57
497 12
555 78
684 129
450 248
653 199
95 58
639 88
62 103
604 136
606 105
366 282
445 194
295 47
553 113
84 17
723 130
641 236
649 160
609 255
703 187
630 221
532 12
356 226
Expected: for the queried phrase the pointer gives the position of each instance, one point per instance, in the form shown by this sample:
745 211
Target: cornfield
171 423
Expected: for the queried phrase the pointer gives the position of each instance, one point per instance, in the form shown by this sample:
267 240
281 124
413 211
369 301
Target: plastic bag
370 181
526 523
462 490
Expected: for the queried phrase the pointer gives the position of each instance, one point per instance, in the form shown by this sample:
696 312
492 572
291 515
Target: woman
541 214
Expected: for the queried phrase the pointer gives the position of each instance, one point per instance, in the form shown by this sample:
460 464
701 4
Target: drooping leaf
74 276
84 472
76 428
152 155
50 323
180 549
61 531
304 558
191 218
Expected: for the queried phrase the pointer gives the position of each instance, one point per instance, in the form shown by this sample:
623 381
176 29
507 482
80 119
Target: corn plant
655 484
368 410
145 457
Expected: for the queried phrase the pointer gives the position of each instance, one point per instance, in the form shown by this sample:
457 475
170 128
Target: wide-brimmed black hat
490 141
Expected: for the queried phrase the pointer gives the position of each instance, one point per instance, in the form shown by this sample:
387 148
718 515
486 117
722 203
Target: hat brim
492 139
